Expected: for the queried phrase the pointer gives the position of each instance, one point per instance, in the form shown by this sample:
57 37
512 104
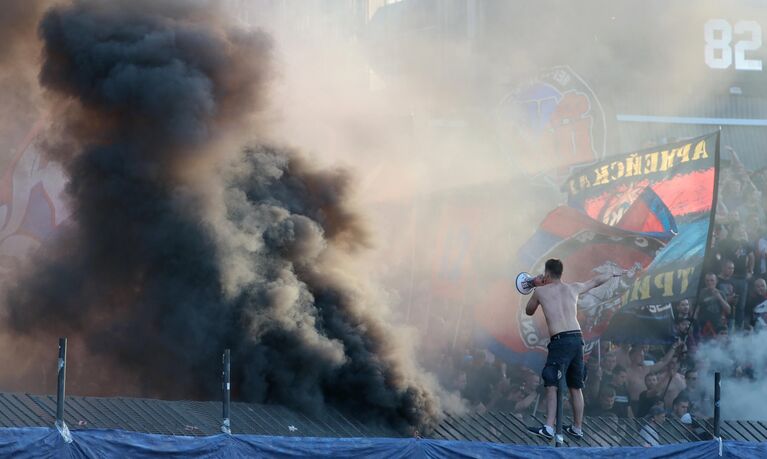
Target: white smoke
742 361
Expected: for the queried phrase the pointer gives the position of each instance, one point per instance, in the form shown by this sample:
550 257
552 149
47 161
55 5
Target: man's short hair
657 375
554 268
681 398
606 391
618 369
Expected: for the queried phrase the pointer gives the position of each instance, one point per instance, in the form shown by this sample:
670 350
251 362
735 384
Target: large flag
649 212
675 273
682 175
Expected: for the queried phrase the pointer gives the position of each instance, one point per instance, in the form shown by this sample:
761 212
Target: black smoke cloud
320 334
178 249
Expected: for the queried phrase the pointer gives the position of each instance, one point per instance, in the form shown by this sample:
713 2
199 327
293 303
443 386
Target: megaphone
525 283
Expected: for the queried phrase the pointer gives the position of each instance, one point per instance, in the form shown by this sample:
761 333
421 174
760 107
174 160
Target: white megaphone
525 283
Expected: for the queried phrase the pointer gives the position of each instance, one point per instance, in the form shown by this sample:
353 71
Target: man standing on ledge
559 303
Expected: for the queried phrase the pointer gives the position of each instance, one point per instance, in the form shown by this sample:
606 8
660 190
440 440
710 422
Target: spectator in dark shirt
741 253
607 365
726 283
682 310
713 262
713 307
683 331
680 410
757 296
682 327
651 397
605 402
621 401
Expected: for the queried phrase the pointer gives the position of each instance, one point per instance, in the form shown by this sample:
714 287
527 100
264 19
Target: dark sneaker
541 432
569 431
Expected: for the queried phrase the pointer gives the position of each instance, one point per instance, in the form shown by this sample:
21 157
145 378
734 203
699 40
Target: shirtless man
559 303
637 371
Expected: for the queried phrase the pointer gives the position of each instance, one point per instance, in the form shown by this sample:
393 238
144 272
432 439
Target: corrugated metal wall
203 418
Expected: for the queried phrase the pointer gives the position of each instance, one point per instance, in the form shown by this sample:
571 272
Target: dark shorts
566 349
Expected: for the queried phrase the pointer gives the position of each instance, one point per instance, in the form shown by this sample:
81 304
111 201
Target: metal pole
558 439
599 353
227 390
61 426
61 382
717 398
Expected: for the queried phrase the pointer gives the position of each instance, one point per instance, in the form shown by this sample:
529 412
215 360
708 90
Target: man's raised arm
666 358
583 287
532 304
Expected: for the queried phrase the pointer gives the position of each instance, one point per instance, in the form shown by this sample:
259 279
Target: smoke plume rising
423 144
742 361
181 245
421 129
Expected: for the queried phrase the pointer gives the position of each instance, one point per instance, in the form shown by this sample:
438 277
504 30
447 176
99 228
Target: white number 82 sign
719 48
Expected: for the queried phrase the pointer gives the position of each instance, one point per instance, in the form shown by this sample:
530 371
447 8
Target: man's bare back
559 303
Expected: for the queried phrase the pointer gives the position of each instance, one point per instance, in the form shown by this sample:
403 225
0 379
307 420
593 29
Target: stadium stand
194 418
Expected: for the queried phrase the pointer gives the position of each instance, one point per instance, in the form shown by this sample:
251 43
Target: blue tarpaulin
101 443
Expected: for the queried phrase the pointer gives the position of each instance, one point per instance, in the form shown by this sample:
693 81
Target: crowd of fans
657 384
736 269
645 382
